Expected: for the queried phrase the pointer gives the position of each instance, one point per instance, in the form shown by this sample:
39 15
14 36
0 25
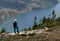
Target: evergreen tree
53 15
44 19
35 24
58 19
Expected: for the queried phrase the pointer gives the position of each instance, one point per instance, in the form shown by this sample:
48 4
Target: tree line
51 21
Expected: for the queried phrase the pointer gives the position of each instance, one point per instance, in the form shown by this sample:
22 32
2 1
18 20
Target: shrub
3 30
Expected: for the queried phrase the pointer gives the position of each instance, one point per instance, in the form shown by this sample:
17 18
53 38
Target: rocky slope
52 35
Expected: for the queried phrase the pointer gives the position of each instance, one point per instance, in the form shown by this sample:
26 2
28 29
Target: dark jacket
15 24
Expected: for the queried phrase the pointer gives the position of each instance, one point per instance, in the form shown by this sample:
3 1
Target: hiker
15 26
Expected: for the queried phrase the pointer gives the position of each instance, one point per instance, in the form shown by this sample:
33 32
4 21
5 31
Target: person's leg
17 30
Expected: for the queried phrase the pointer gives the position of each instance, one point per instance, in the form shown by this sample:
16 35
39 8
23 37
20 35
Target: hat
15 20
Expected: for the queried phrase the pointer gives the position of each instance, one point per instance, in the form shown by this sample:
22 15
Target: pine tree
35 24
44 19
53 15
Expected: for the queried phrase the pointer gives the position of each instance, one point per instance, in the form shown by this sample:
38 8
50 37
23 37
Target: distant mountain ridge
21 4
9 8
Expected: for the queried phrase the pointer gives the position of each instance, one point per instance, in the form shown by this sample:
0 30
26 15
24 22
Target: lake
26 20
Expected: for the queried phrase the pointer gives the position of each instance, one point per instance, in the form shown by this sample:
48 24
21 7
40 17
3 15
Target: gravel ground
53 35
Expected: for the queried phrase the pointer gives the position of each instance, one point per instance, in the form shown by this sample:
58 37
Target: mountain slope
21 4
58 0
9 8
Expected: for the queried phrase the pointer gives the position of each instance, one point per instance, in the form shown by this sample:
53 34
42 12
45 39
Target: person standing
15 26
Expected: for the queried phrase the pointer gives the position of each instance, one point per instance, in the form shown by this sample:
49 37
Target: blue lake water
26 20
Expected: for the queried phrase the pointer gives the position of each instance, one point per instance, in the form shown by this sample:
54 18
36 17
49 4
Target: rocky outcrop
53 35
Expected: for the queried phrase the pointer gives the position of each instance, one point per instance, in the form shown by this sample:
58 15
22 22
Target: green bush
3 30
